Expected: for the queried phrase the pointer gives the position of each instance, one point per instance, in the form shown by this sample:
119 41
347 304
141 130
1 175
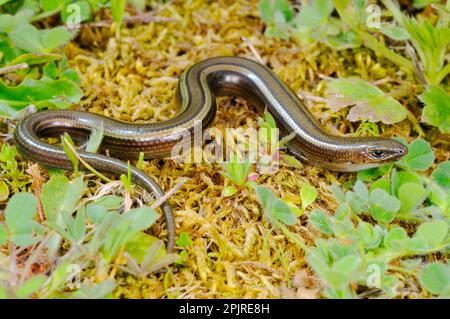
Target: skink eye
378 154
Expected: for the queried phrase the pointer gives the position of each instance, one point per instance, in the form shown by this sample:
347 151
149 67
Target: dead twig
253 50
12 68
162 199
413 56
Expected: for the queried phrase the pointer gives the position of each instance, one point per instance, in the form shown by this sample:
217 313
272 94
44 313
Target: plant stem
442 74
372 43
89 167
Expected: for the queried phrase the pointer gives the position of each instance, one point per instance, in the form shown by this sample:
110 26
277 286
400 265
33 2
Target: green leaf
3 234
274 208
156 258
417 244
420 156
267 122
338 193
284 7
60 197
341 212
51 5
50 70
19 217
370 236
411 195
308 194
28 38
277 15
370 103
4 191
321 221
43 92
117 10
117 236
340 37
95 139
110 202
229 191
237 170
395 238
437 110
10 22
76 227
95 291
354 89
35 58
435 278
265 10
441 175
99 209
96 213
56 37
347 265
382 199
439 196
139 245
359 199
72 75
432 232
361 191
58 277
370 174
70 10
385 109
141 218
402 177
342 271
291 161
314 14
419 4
382 183
383 205
70 153
30 286
139 5
393 32
282 212
294 208
184 240
388 284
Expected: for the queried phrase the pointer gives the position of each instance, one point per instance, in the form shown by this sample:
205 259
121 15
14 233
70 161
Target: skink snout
402 150
399 150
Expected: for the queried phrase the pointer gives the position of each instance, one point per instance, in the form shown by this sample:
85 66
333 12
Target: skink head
354 154
380 151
